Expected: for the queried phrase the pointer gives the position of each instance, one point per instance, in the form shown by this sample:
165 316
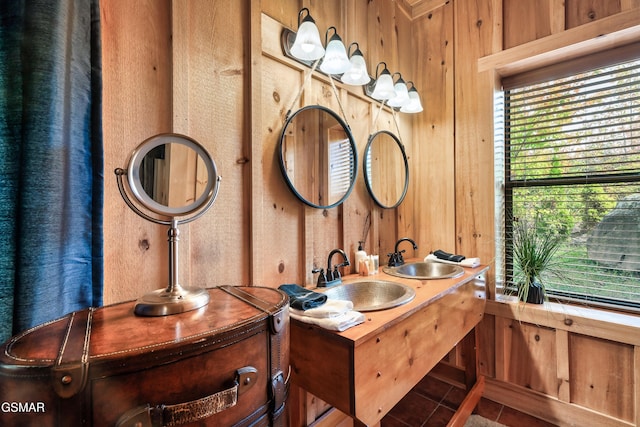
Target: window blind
340 169
570 153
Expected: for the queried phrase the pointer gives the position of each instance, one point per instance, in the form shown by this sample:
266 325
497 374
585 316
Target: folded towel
340 323
331 308
467 262
440 254
301 298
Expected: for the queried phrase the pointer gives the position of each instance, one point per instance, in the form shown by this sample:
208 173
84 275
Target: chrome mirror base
164 302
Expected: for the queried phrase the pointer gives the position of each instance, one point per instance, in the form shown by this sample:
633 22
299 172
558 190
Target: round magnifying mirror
172 175
318 157
386 169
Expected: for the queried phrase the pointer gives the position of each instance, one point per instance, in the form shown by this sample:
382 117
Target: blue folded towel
301 298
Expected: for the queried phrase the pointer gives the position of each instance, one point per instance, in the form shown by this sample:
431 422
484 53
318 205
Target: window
570 157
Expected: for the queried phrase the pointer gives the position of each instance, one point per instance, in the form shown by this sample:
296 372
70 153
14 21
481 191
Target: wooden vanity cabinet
364 371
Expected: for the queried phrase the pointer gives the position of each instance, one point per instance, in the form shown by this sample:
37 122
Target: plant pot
535 293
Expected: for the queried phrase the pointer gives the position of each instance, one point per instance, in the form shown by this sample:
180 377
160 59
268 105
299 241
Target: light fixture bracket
287 38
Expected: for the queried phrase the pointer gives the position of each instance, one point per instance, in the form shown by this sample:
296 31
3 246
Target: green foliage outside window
572 163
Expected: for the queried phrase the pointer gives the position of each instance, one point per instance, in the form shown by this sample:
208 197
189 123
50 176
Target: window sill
619 327
607 33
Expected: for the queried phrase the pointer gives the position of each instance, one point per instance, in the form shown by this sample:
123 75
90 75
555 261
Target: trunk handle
195 410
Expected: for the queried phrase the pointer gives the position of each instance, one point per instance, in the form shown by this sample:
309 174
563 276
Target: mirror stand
174 298
148 185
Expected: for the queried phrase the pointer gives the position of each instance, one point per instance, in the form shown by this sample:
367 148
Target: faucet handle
322 277
395 259
336 272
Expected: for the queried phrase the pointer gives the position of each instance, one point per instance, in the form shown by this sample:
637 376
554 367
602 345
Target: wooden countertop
427 291
365 370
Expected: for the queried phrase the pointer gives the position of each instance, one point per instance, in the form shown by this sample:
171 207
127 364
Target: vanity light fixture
307 45
335 60
357 74
414 105
402 93
381 88
346 65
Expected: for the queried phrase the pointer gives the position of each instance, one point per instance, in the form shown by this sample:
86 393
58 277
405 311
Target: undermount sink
372 295
425 270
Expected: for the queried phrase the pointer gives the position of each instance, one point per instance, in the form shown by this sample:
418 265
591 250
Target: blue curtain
51 161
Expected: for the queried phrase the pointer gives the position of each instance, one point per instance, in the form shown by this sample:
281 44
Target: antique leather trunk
224 364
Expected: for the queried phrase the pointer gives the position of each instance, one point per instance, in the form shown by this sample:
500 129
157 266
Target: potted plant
533 255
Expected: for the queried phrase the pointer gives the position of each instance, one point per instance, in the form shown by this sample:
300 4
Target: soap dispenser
361 255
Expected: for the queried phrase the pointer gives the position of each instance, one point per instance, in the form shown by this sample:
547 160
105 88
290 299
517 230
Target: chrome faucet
395 258
331 277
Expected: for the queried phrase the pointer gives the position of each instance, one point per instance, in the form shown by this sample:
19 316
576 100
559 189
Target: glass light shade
357 74
414 105
383 89
402 94
335 59
307 45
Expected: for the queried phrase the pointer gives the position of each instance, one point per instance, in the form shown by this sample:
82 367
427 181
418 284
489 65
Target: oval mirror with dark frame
318 157
386 169
170 179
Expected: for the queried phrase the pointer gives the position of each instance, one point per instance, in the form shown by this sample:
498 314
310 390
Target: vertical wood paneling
601 376
432 195
503 338
487 337
356 24
544 17
280 234
562 365
328 13
478 33
285 12
580 12
532 357
254 151
402 126
383 42
629 4
209 106
359 205
136 66
594 354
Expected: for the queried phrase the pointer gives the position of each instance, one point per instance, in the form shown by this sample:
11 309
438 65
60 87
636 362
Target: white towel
330 308
467 262
338 323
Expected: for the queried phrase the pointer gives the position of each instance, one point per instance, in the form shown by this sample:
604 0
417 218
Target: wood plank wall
570 368
213 69
137 104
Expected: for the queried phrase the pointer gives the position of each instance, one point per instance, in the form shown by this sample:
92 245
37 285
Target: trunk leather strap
279 350
71 367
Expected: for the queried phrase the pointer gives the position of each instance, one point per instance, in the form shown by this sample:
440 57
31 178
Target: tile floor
433 402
